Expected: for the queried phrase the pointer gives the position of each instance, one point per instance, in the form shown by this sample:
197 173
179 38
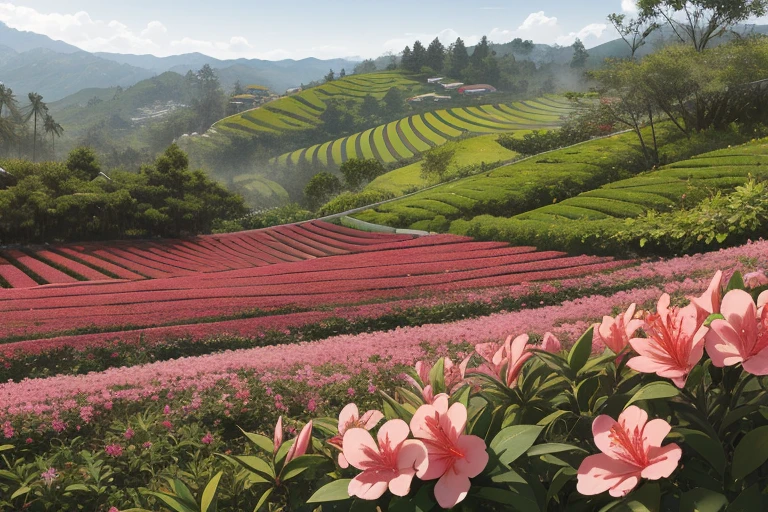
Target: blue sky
304 28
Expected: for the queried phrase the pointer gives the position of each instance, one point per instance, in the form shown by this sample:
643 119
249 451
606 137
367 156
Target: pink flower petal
356 442
723 344
654 432
369 485
400 485
757 364
599 473
475 456
601 430
633 418
624 485
739 310
664 461
455 420
413 454
393 433
348 414
371 418
451 489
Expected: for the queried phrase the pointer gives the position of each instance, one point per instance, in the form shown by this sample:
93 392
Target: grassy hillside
411 136
511 189
472 151
585 222
302 111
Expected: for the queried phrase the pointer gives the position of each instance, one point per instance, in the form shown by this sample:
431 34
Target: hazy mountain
55 75
25 41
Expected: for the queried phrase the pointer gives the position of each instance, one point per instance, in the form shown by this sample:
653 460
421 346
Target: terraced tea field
411 136
513 188
302 111
180 286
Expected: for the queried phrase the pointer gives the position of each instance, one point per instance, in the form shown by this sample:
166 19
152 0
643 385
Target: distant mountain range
33 62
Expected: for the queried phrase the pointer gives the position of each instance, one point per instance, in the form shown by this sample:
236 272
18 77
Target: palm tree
36 108
7 99
54 128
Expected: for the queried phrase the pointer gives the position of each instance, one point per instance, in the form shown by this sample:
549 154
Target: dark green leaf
263 443
751 452
256 464
736 282
511 442
562 477
654 391
581 350
710 449
334 491
702 500
547 448
299 465
751 500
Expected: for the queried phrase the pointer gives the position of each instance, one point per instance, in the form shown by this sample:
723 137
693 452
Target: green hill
411 136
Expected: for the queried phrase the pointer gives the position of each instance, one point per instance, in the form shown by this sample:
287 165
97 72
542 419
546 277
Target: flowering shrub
675 423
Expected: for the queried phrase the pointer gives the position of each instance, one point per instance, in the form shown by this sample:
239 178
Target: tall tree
419 57
209 98
7 100
435 55
37 108
342 73
633 31
459 58
330 77
580 54
406 60
52 128
482 50
699 21
367 66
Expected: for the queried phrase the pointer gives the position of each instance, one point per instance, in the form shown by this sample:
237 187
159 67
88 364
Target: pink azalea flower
631 450
350 418
762 299
674 345
207 439
390 465
299 448
742 337
505 361
278 439
615 333
453 375
551 344
755 279
454 457
709 302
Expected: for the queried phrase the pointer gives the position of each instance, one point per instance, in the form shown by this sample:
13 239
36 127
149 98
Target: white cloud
536 20
629 6
590 33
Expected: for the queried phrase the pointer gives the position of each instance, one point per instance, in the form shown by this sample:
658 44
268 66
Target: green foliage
351 200
359 172
580 55
53 201
321 188
436 161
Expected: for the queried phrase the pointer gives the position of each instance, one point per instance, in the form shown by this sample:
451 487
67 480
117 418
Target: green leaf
547 448
399 410
77 487
5 447
208 500
420 502
171 501
256 465
334 491
562 477
461 395
183 493
711 318
710 449
702 500
511 442
751 453
437 376
736 282
654 391
21 491
581 350
751 500
263 499
510 499
551 418
263 443
645 499
299 465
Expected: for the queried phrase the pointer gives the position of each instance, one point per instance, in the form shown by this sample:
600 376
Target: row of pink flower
356 353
